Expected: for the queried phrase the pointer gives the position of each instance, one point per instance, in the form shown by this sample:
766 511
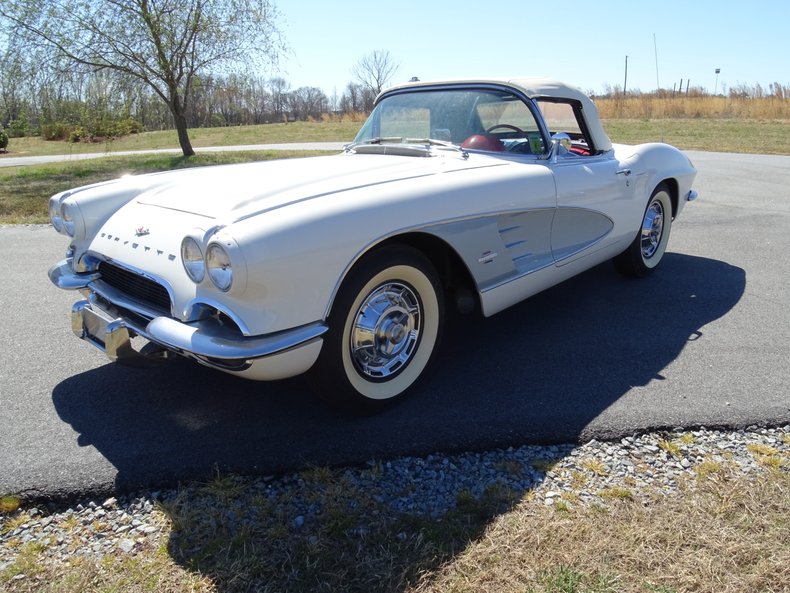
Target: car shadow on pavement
540 372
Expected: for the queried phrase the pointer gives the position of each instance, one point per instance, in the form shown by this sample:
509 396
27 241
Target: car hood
234 192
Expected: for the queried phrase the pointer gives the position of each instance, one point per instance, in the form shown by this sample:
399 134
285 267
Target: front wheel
648 247
384 327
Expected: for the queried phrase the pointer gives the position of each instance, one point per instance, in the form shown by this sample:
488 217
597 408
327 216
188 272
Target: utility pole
655 50
716 85
625 81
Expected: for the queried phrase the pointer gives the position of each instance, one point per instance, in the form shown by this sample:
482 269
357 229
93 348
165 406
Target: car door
591 186
589 191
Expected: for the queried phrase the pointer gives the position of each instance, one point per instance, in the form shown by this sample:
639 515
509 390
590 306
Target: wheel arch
674 191
453 273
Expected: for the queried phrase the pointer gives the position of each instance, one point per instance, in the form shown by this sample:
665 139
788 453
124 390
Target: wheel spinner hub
652 229
386 330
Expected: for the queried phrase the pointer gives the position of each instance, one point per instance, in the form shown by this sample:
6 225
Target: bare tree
357 98
163 43
11 81
307 101
279 89
375 70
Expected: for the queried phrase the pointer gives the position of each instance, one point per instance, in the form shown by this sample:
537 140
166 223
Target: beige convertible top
536 88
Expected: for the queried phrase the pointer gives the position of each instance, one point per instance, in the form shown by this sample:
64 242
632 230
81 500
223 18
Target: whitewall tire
383 330
647 249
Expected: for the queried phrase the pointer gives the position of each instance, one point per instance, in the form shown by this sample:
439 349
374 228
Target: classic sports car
475 193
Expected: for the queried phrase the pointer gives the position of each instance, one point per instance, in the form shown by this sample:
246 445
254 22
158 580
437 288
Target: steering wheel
506 126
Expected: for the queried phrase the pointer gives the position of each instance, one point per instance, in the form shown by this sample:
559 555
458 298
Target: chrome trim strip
514 243
510 228
571 257
517 276
520 257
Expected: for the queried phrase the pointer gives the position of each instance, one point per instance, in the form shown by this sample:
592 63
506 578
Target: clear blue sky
584 43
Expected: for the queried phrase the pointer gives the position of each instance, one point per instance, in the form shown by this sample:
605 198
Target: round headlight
192 258
54 215
67 215
219 266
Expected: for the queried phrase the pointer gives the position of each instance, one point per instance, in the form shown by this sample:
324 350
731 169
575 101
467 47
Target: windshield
475 119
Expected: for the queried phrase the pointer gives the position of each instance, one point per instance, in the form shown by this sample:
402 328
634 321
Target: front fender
655 162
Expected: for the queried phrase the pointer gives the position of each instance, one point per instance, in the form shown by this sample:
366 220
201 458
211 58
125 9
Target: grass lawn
717 135
228 136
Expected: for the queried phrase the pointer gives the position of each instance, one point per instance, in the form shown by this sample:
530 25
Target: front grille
137 287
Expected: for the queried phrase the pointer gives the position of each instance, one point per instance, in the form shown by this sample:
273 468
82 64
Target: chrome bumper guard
107 334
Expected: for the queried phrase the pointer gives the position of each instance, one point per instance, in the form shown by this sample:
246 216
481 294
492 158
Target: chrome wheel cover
652 228
386 331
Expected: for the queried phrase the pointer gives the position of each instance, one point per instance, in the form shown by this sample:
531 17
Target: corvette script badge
142 231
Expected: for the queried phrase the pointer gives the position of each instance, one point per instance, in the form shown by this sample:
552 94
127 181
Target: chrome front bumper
111 329
203 339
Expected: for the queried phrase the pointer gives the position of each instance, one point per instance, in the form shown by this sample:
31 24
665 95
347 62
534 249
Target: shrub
19 127
132 126
76 134
96 129
3 140
56 130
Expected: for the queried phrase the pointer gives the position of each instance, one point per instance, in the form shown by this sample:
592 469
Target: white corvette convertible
477 194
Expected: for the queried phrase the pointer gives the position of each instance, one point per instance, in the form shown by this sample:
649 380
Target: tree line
79 106
774 90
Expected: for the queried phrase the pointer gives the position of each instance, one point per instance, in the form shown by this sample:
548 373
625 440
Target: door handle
625 172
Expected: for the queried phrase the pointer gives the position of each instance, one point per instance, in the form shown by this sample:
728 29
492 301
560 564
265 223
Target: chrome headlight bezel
55 216
67 216
72 219
193 259
219 266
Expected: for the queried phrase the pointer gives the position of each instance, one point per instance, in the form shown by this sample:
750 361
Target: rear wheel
648 247
384 327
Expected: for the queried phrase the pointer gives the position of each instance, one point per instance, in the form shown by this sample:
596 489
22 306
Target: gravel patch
638 468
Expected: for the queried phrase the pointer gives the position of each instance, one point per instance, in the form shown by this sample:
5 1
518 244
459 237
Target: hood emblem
142 231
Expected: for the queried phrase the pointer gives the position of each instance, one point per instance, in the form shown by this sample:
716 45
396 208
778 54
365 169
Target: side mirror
559 142
562 139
